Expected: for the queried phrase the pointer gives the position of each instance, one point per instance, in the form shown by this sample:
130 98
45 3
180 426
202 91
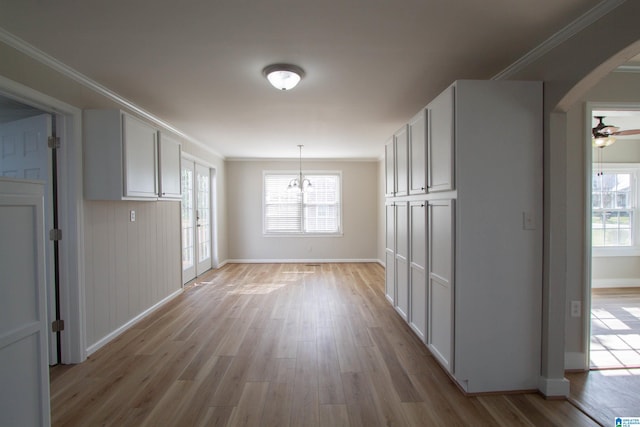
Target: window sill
302 234
633 251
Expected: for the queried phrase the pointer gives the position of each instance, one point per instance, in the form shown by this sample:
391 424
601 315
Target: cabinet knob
422 188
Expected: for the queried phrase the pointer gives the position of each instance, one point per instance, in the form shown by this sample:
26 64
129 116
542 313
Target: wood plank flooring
280 345
615 342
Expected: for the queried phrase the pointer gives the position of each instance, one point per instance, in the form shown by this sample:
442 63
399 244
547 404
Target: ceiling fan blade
627 132
609 130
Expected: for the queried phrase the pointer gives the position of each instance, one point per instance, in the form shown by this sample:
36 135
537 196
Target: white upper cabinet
123 159
401 141
418 153
120 156
139 142
390 169
170 153
440 152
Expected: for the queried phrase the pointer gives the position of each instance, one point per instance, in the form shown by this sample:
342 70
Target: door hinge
57 325
53 142
55 234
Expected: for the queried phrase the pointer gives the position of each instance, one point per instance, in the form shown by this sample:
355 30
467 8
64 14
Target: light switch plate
132 216
528 220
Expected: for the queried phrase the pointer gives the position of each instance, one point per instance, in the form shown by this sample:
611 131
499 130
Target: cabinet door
441 282
169 153
401 140
418 153
441 129
390 169
417 270
390 255
402 259
140 158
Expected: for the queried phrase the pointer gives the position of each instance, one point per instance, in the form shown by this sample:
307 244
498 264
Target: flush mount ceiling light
283 76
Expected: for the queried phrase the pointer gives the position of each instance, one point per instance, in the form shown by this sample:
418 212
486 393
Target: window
613 207
316 211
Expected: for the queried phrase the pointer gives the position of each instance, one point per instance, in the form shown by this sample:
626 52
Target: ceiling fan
603 135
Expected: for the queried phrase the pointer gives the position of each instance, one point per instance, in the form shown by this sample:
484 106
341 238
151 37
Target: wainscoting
130 266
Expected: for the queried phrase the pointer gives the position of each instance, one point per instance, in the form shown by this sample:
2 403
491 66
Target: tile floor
615 328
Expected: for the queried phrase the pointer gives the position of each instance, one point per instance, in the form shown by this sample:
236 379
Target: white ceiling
370 65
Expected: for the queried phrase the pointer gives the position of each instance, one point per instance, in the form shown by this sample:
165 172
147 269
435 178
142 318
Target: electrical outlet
132 216
576 308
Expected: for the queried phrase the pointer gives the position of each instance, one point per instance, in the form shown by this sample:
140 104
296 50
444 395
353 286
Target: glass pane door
188 222
203 219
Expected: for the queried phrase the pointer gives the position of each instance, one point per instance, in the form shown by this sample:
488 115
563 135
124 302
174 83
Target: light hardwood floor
615 342
280 345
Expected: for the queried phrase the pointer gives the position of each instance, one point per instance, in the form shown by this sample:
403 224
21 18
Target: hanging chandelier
300 183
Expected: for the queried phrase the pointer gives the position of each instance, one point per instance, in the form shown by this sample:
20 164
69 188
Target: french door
196 220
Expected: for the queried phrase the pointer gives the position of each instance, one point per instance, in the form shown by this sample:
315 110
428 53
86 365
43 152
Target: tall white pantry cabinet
464 231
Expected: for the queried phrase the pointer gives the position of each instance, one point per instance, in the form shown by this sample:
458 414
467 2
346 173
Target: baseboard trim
575 361
615 283
106 339
301 261
554 387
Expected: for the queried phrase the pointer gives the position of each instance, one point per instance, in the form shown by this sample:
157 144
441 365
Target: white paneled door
24 374
196 220
24 155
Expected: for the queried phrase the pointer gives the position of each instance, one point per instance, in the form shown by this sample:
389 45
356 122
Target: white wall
615 87
568 70
359 214
116 291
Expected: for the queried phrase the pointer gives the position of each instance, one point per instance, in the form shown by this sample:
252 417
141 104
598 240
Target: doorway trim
70 212
585 360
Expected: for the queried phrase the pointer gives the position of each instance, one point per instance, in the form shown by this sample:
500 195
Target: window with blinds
315 211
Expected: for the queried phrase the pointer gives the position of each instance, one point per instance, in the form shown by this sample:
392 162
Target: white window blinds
316 211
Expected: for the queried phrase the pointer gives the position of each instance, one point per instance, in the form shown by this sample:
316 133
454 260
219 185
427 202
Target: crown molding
53 63
591 16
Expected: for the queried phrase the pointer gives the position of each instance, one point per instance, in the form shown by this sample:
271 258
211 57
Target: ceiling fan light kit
283 76
603 135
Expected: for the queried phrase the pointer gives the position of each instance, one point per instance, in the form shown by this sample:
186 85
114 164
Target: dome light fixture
283 76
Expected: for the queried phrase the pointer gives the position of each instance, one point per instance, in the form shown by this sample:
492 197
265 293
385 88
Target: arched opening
569 209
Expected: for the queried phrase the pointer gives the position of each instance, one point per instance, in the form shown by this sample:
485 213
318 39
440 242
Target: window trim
339 233
614 251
